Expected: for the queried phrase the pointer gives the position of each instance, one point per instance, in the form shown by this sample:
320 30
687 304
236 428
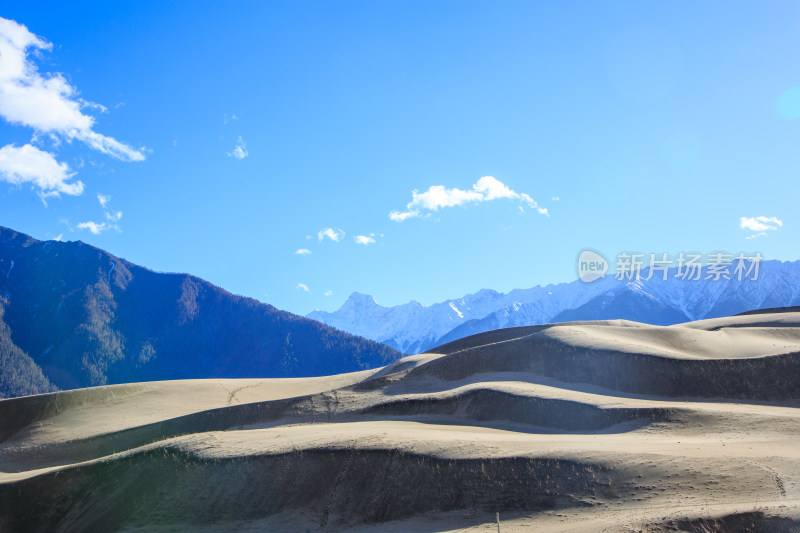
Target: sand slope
597 426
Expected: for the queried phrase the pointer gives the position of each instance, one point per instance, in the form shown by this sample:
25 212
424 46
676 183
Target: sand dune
597 426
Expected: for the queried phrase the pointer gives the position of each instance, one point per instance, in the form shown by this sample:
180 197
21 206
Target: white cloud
760 224
556 198
110 146
112 218
364 239
59 237
28 164
303 251
330 233
94 227
48 104
240 151
226 118
437 197
94 105
756 235
397 216
302 287
328 293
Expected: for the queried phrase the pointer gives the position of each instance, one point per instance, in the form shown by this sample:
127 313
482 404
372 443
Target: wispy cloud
27 164
760 224
226 118
302 287
240 150
94 227
328 293
335 235
111 146
47 103
365 239
112 218
399 217
438 197
303 251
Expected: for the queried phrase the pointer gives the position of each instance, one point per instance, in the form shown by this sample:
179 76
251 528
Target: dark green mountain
72 315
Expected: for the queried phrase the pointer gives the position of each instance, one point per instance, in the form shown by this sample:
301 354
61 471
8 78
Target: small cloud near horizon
759 225
112 218
240 150
365 239
334 234
437 197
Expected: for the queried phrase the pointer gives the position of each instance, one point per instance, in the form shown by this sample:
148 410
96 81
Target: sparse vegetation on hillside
19 374
87 318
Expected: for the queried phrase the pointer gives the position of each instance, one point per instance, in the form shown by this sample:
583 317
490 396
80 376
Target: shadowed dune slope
752 357
576 426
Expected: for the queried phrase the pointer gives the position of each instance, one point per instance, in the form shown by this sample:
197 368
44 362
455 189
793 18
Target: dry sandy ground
601 426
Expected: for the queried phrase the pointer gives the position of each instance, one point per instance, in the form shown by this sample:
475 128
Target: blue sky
232 136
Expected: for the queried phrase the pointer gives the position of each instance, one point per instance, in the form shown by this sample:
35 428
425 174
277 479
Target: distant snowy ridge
415 328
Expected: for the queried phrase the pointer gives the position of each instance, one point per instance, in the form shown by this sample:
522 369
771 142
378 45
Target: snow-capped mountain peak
413 327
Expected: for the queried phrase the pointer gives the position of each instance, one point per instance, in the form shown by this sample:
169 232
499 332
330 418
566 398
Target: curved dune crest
556 427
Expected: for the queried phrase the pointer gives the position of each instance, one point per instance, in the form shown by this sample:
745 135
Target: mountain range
414 328
72 315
